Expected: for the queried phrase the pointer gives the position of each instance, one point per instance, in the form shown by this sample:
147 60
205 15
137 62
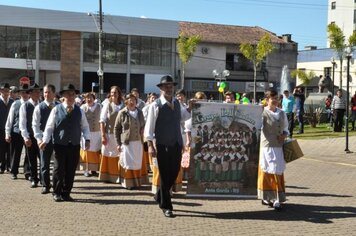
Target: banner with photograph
224 155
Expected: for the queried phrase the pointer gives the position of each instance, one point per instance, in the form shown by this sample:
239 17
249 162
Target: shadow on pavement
291 212
316 195
295 187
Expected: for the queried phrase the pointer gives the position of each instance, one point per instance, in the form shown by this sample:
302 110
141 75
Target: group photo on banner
225 149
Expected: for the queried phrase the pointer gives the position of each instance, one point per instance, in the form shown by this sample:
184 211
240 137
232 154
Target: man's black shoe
33 184
67 198
57 198
14 177
45 190
168 213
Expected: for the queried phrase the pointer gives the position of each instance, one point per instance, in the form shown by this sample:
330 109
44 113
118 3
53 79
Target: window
238 62
151 51
17 42
50 45
327 71
333 5
114 48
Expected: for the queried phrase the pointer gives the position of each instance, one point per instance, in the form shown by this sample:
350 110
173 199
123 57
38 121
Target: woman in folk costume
270 183
90 159
128 132
109 166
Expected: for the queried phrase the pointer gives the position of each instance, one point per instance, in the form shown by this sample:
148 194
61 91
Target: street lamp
100 71
220 76
348 53
333 78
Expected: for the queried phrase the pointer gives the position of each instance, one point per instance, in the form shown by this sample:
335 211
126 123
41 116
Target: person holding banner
270 183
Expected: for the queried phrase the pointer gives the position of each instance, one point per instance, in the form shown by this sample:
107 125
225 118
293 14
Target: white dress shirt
153 114
36 121
23 119
10 119
47 134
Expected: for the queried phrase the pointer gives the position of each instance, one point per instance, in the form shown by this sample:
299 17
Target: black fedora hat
5 86
24 88
167 79
69 87
35 87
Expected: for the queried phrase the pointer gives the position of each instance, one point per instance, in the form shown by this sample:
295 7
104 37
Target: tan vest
128 128
92 117
272 127
111 121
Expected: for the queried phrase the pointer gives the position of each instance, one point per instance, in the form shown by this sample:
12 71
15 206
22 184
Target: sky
305 20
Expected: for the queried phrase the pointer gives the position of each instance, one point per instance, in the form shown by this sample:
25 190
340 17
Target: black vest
4 112
15 125
44 112
168 129
29 113
67 126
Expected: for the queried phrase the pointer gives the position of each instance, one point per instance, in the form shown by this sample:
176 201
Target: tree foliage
187 46
256 53
303 76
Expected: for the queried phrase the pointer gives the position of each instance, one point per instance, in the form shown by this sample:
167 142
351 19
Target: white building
343 14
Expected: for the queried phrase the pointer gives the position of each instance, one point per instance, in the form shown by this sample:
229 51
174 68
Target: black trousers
339 119
66 158
16 150
290 117
33 153
4 152
169 161
45 164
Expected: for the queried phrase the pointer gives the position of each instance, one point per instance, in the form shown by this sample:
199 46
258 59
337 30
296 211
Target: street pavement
321 192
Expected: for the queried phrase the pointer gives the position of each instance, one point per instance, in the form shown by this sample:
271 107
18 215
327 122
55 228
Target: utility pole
101 67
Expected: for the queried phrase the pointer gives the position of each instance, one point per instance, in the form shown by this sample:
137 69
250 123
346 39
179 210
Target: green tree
256 54
305 77
186 48
337 42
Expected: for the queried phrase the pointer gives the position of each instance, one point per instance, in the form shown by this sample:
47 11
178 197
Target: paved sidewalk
321 191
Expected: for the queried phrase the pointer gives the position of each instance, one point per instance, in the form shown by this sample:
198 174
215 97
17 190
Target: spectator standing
353 109
288 106
299 98
338 107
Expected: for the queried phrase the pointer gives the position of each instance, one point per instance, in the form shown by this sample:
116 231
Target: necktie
171 105
69 109
50 106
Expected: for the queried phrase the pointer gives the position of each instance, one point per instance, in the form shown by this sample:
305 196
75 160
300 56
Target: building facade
61 47
343 14
219 50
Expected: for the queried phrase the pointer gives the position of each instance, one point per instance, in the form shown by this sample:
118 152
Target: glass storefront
50 45
152 51
114 50
17 42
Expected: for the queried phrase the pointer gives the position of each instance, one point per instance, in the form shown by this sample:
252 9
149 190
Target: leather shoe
14 177
45 190
67 198
168 213
57 198
33 184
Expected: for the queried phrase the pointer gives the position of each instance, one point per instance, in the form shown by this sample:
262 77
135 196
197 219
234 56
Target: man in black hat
5 104
67 123
25 120
13 136
163 124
